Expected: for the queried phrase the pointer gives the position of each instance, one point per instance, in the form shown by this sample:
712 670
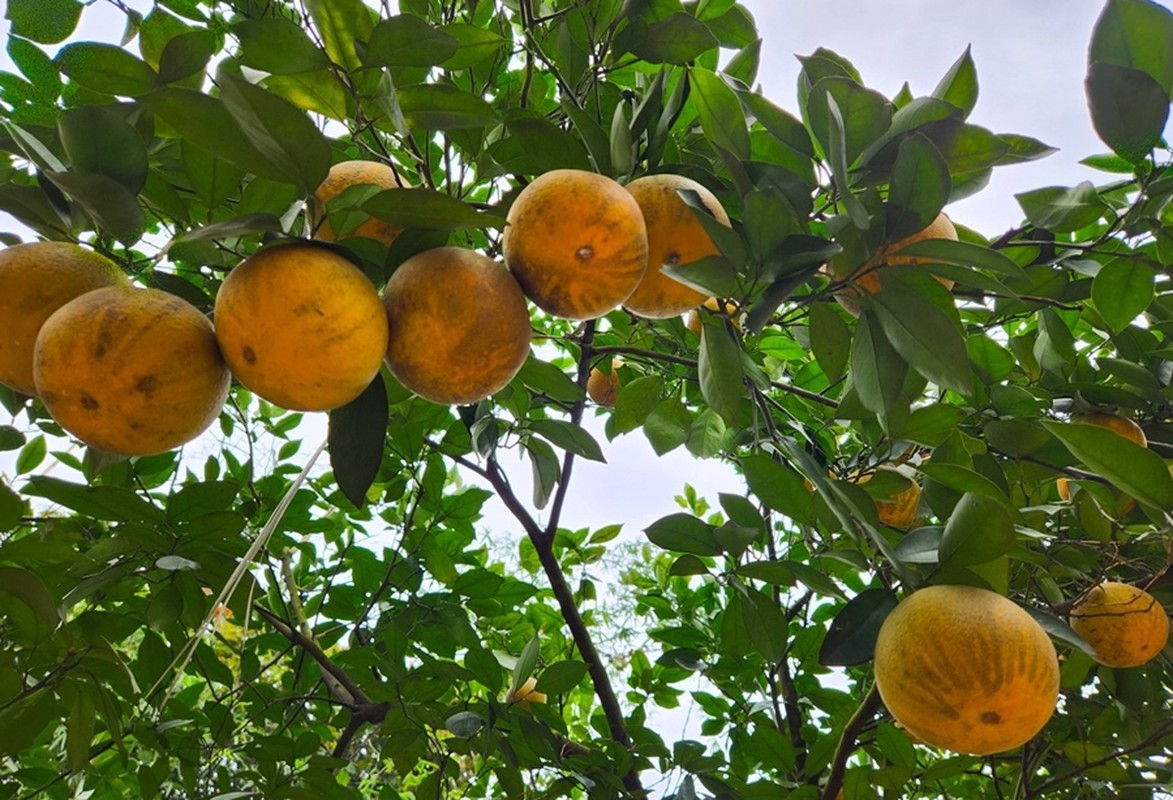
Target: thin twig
863 715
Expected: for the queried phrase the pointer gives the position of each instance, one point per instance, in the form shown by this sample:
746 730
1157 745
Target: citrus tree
304 602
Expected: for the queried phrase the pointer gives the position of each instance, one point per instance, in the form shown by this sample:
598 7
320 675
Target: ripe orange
900 509
693 321
866 279
460 326
675 236
1126 626
603 388
525 695
36 279
130 371
301 326
1113 422
966 669
341 177
576 242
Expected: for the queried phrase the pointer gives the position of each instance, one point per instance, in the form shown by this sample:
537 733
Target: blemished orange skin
576 242
130 371
36 279
460 327
1125 625
899 511
866 280
603 388
675 236
966 669
341 177
1121 425
301 326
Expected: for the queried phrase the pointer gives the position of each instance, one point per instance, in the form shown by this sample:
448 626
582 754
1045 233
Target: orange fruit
130 371
675 236
866 279
1124 625
603 388
525 695
966 669
460 326
693 321
341 177
301 327
36 279
1113 422
576 242
900 509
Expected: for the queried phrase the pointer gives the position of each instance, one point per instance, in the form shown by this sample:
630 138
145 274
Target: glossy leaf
1122 290
408 41
428 209
919 188
676 39
44 21
959 86
778 486
438 107
720 111
342 23
1129 109
1063 210
851 638
357 432
561 677
570 437
979 529
878 371
830 340
1136 34
928 339
720 372
279 46
98 140
683 533
111 205
105 68
1136 470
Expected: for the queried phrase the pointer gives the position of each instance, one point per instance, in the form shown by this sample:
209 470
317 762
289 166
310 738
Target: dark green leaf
919 188
1129 109
979 530
1136 470
864 116
106 68
592 134
524 667
342 24
667 426
185 55
963 254
28 589
712 275
462 724
408 41
37 66
931 425
546 469
44 21
1063 210
357 433
877 370
232 229
111 205
778 486
568 436
722 119
428 209
1135 33
279 46
766 625
561 677
963 479
1059 630
1122 290
475 45
100 502
836 148
852 637
100 141
719 370
550 380
1023 149
678 39
830 340
537 145
683 533
920 546
744 64
960 85
79 731
11 508
439 107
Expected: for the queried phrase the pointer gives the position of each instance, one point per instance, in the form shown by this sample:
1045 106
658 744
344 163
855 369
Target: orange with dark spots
301 326
460 326
1125 625
966 669
675 236
576 242
130 371
341 177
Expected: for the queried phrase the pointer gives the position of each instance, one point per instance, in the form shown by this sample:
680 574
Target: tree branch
1064 779
863 715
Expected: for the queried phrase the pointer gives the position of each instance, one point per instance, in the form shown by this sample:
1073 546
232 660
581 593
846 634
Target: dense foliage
239 618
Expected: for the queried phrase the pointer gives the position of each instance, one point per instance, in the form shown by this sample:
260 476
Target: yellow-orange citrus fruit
966 669
1124 625
866 280
130 371
341 177
693 321
900 509
301 326
675 236
525 695
602 387
460 326
36 279
576 242
1113 422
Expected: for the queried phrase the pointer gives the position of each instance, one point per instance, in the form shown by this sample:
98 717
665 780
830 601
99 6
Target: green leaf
722 118
176 563
44 21
106 68
474 45
546 469
427 209
920 546
635 401
549 379
959 87
677 39
592 134
231 229
100 141
778 486
836 147
1135 33
568 436
851 638
963 479
536 145
622 145
79 731
966 254
280 131
922 334
11 508
683 533
766 625
712 275
279 46
185 55
524 667
1024 149
877 369
719 370
863 115
408 41
462 724
100 502
830 340
1129 109
1059 630
28 589
1122 290
439 107
1062 210
357 433
919 188
341 24
745 63
111 205
980 529
561 677
1134 469
667 426
31 455
37 66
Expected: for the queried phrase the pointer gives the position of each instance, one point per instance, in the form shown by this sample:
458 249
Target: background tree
234 619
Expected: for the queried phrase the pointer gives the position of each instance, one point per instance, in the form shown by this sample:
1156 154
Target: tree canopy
304 605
